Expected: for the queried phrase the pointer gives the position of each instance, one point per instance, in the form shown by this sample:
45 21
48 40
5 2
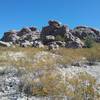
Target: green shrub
89 42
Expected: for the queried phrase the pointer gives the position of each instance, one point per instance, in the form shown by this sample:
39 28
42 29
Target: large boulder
77 43
10 36
82 32
56 29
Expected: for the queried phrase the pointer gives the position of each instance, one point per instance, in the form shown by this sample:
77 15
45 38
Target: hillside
56 63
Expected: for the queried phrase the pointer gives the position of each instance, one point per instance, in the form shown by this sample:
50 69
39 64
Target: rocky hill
51 70
54 35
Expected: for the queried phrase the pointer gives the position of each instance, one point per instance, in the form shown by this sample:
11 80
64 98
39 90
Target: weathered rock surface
5 44
25 44
22 37
77 43
53 46
56 29
82 32
53 33
38 44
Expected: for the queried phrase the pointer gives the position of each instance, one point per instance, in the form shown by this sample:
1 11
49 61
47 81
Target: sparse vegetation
69 55
83 87
49 81
89 42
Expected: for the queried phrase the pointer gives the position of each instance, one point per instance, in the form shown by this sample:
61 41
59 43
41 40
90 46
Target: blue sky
15 14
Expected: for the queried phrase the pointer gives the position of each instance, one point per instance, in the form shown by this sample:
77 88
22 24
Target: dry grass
71 55
68 55
26 61
52 82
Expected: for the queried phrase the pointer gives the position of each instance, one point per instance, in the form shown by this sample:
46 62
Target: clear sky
15 14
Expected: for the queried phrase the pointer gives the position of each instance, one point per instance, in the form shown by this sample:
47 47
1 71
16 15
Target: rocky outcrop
10 36
82 32
18 37
57 34
54 34
55 29
75 44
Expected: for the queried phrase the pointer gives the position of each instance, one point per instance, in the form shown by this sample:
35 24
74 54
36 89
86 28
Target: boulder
50 30
54 23
77 43
96 31
48 38
38 44
56 29
25 44
10 36
24 31
82 32
33 37
5 44
60 43
69 37
29 37
53 46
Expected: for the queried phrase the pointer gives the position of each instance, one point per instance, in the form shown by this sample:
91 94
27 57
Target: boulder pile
54 35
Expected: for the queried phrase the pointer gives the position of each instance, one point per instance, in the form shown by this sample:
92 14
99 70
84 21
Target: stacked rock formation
23 38
54 35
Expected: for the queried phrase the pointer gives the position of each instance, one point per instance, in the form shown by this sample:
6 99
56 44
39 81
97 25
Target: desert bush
89 42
